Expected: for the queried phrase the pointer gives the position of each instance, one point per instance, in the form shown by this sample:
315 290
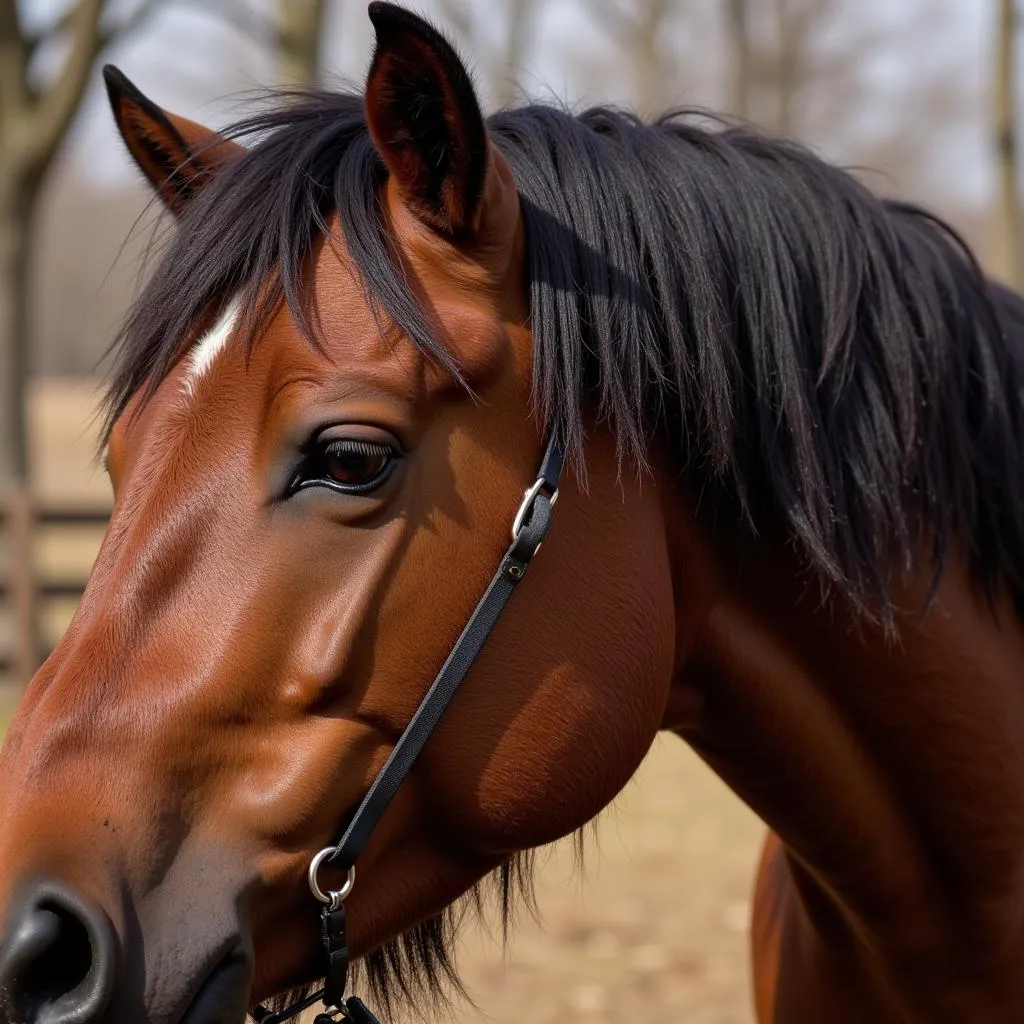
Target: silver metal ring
529 496
334 897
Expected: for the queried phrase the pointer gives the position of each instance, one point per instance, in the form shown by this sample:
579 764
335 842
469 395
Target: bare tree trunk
520 32
13 236
1006 142
15 259
639 29
788 70
14 330
649 62
33 122
499 65
743 76
300 29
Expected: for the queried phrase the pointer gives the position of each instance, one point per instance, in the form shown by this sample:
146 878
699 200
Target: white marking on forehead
210 345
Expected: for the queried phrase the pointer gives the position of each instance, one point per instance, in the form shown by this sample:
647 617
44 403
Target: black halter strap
527 533
528 530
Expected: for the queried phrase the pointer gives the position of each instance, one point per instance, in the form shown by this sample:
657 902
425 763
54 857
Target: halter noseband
528 529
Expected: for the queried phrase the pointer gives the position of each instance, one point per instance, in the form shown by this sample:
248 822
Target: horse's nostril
56 961
59 959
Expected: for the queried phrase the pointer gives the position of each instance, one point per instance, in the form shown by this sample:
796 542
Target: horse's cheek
575 725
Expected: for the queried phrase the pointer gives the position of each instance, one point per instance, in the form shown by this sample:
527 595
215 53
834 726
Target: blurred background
919 96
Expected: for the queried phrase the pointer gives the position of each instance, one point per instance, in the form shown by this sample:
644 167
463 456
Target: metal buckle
335 897
529 496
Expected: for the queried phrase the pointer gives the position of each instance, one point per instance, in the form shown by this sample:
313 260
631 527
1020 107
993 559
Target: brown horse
791 531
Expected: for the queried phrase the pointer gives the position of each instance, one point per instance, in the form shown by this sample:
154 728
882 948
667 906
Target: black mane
816 357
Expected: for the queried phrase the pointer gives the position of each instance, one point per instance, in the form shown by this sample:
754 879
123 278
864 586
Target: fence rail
27 587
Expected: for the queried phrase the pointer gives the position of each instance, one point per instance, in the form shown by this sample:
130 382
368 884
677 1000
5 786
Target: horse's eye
352 463
348 464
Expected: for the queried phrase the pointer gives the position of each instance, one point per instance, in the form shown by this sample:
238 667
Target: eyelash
315 471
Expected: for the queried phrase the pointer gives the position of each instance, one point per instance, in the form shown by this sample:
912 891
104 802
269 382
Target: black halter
528 530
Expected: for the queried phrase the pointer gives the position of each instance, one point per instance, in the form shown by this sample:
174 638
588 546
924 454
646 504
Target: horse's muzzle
224 996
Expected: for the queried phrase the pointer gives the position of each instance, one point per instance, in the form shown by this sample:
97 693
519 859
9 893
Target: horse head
310 496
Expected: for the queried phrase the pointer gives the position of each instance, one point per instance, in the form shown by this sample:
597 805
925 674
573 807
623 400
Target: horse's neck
893 771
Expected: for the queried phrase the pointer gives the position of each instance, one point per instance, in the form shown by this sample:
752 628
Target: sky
188 60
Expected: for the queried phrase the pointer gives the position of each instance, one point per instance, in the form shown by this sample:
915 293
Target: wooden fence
32 583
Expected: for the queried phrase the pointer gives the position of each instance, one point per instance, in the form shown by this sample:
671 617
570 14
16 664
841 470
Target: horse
790 530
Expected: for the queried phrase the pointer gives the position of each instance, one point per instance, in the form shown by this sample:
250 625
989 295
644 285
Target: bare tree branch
57 104
242 17
65 23
33 121
51 32
614 17
129 24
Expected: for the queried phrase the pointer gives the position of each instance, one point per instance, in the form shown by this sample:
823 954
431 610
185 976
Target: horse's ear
425 120
178 156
